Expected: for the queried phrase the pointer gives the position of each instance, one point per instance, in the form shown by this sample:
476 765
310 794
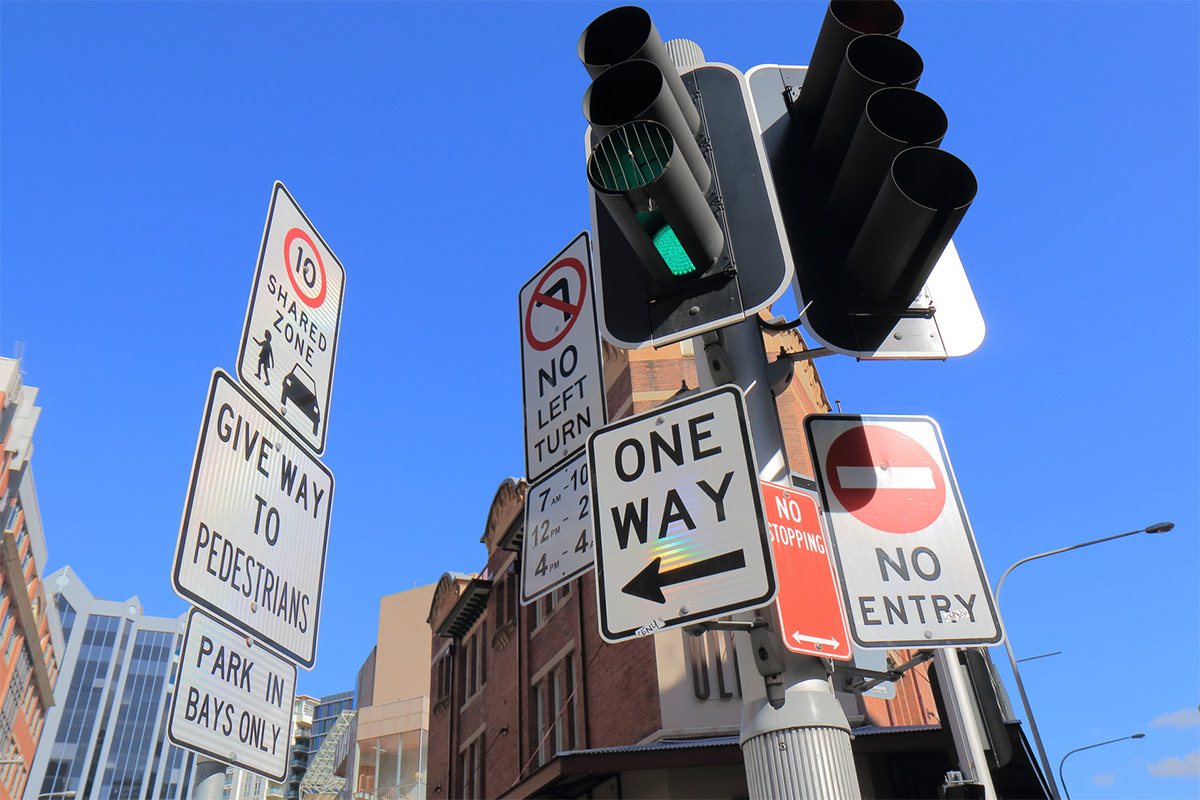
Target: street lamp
1159 527
1088 747
55 794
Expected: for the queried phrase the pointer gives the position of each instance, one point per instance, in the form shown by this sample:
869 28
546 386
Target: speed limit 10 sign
289 342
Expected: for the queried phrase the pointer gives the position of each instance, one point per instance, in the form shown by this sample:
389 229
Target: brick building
529 701
31 641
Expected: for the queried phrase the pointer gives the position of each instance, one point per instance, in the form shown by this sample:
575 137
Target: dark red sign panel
810 606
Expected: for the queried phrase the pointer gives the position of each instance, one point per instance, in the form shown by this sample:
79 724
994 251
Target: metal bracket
701 628
718 362
768 658
955 785
804 355
869 678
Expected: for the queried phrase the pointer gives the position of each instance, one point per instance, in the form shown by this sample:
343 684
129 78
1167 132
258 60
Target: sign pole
208 778
964 721
795 737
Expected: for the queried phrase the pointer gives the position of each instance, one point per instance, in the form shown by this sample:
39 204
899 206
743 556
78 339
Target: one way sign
678 517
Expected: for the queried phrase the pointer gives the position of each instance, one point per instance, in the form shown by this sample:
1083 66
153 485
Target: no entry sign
562 375
910 570
809 601
678 517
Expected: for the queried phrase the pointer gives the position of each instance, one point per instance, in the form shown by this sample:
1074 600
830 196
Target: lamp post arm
1000 582
1089 747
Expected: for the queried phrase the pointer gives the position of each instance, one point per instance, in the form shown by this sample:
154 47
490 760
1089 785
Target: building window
545 606
506 610
473 653
471 768
556 718
443 674
4 626
11 643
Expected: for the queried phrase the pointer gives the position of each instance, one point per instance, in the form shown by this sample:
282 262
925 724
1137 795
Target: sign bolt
928 634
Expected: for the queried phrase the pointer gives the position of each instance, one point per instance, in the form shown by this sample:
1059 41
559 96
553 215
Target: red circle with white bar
887 480
561 271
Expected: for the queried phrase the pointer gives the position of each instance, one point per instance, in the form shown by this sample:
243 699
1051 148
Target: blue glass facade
129 755
69 753
107 738
324 716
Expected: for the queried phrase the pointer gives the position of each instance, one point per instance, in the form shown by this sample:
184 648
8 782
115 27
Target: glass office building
325 716
107 736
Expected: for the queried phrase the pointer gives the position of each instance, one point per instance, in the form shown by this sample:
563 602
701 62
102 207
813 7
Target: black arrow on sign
648 583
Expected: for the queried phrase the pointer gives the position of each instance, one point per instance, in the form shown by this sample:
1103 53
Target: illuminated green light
668 246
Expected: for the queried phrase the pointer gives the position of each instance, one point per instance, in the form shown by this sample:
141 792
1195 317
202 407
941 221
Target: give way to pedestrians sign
255 528
911 573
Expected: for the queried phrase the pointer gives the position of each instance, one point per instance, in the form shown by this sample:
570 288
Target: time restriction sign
558 530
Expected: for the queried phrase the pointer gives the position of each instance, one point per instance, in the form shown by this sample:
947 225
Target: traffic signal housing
684 218
868 198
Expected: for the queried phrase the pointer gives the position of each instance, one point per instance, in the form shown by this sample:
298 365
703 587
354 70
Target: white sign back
562 373
255 527
911 574
678 516
232 700
289 343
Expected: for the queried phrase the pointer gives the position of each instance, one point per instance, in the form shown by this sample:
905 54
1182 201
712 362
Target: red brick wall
618 693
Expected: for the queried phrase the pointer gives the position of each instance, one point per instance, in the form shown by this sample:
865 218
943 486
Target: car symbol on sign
299 387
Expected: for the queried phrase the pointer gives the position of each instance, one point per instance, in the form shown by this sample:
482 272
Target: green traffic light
668 246
632 158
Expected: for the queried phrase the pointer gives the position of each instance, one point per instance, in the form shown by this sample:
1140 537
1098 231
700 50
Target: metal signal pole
795 737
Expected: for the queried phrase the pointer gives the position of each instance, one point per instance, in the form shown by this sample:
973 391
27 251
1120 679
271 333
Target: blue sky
438 149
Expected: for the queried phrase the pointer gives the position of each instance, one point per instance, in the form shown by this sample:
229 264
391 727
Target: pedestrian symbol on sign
265 359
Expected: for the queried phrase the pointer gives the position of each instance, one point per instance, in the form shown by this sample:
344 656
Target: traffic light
685 221
869 200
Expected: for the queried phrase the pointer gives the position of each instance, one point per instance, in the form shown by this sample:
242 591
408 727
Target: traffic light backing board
953 325
753 270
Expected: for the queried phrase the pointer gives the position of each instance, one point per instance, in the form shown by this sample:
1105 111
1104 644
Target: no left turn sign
562 372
